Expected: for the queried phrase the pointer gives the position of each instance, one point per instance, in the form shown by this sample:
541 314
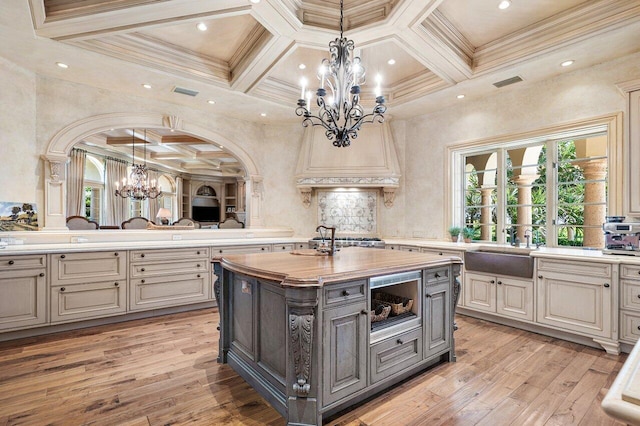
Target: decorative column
485 213
55 194
524 201
595 199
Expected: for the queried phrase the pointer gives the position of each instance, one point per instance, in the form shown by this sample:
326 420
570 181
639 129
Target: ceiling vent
184 91
508 81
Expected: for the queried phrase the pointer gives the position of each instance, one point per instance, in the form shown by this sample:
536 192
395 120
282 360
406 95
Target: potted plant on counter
454 231
467 234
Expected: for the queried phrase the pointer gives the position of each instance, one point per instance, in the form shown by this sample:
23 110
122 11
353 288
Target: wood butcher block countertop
305 268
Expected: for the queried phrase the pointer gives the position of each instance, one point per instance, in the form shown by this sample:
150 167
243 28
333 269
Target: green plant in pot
467 234
454 231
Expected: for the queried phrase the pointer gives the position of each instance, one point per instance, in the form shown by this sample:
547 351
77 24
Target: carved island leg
217 291
455 269
301 332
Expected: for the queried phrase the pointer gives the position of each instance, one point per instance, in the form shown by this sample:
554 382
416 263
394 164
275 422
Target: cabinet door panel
174 254
83 301
345 356
395 354
480 292
437 319
629 326
515 298
81 268
582 305
22 299
243 312
164 268
169 290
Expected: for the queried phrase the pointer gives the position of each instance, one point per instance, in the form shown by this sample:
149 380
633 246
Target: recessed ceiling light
391 61
62 65
146 86
211 101
255 1
504 4
567 63
263 114
201 26
460 96
302 66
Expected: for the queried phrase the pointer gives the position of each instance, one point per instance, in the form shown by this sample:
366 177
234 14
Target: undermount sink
511 261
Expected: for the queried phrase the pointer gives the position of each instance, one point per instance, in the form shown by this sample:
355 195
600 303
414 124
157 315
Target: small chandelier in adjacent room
341 115
137 186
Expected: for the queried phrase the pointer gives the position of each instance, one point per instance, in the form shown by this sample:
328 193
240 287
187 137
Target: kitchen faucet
527 236
322 248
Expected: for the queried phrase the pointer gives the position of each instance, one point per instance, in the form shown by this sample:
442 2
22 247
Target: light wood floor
163 371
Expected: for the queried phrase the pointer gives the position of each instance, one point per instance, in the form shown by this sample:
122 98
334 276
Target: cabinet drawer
444 252
630 271
22 298
592 269
169 290
335 294
79 268
395 354
241 249
283 247
164 268
169 254
410 248
10 263
436 275
392 246
83 301
629 326
630 295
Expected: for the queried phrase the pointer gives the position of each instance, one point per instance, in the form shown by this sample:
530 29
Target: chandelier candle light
137 186
341 115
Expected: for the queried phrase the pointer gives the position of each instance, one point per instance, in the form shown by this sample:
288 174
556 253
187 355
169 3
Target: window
551 190
93 188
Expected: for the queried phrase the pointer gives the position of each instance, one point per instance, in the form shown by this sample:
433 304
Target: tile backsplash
349 211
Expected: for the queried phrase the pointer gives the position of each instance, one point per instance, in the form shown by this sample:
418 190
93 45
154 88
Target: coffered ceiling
248 59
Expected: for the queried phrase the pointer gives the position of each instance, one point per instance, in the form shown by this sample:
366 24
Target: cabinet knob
198 265
116 284
399 341
606 285
41 274
198 275
364 312
345 292
427 295
62 288
197 252
115 254
437 275
393 248
492 281
639 327
62 256
284 248
499 282
639 296
11 262
142 255
219 251
262 248
142 269
142 281
440 253
540 276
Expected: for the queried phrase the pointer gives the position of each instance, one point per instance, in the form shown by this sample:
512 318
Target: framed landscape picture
18 216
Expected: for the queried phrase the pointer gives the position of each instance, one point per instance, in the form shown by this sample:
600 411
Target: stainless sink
511 261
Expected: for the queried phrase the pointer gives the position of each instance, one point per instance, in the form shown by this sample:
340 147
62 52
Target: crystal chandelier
137 186
341 115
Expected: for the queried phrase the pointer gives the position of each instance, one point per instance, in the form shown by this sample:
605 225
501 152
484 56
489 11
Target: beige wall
33 109
572 96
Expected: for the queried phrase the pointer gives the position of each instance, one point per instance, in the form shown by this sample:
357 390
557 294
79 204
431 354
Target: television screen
205 214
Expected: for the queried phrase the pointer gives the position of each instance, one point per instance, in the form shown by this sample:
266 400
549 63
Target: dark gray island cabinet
310 333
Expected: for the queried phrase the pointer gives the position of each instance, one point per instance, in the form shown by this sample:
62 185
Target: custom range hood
370 162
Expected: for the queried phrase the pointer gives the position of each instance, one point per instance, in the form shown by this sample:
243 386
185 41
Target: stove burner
351 242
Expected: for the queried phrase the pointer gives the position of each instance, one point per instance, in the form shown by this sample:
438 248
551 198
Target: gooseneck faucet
322 247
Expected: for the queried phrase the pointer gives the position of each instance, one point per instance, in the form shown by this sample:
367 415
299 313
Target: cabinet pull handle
62 288
399 341
11 262
116 284
427 295
606 285
142 269
499 282
62 256
540 276
142 255
142 281
198 275
345 292
492 281
42 275
437 275
364 312
115 254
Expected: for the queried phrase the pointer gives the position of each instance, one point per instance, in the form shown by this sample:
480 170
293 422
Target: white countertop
621 401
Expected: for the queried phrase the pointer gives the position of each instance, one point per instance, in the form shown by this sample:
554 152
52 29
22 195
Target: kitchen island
309 331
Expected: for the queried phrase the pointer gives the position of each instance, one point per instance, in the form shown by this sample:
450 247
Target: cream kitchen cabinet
629 303
88 285
579 297
22 292
169 277
455 253
501 295
633 146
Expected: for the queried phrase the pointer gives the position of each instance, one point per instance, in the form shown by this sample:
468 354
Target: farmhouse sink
511 261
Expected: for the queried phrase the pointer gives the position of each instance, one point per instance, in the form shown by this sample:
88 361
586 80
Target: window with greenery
551 191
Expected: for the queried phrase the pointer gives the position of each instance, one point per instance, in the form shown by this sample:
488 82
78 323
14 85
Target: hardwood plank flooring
163 371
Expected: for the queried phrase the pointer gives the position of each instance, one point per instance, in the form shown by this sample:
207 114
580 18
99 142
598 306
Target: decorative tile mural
18 216
349 211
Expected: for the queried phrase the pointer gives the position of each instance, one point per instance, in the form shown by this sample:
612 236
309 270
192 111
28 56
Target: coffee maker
621 238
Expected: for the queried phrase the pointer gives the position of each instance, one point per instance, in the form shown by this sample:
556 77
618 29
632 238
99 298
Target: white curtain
115 207
153 203
75 183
